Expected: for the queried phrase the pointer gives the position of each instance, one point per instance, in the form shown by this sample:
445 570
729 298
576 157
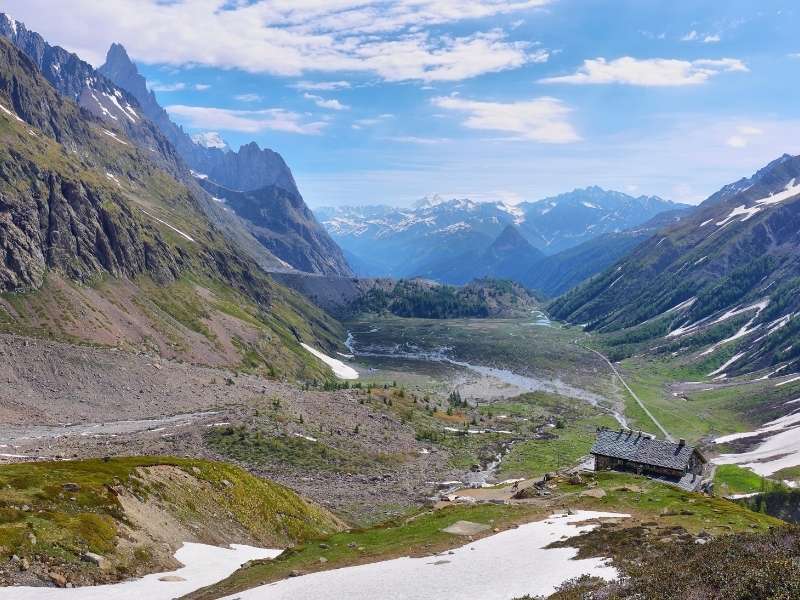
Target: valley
210 390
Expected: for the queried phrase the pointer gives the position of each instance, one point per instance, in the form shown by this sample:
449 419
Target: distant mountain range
117 94
724 282
456 241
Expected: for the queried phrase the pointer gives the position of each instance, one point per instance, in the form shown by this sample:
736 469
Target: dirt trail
633 394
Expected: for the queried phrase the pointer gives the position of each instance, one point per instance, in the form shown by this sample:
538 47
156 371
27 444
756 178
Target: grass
534 458
422 533
418 535
62 509
733 479
669 505
254 447
698 414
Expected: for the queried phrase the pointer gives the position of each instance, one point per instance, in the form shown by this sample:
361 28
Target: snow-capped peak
210 139
12 22
429 201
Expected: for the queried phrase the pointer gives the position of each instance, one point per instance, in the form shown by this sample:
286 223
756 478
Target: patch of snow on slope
781 450
455 228
116 103
510 564
203 566
10 114
514 211
341 370
727 364
113 136
790 191
787 382
776 425
175 229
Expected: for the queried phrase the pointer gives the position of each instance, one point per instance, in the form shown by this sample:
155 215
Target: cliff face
281 222
262 190
80 231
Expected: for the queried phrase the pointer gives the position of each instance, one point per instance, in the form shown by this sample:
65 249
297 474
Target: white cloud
321 86
249 121
397 40
541 120
179 86
706 38
371 121
650 71
743 136
413 139
329 103
248 98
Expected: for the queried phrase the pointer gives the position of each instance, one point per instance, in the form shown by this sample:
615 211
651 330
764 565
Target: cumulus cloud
541 120
329 103
397 40
649 72
248 121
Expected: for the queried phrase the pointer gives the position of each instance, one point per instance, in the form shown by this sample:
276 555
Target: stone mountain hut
641 453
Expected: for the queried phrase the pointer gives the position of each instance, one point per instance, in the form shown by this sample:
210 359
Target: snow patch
790 191
10 114
510 564
726 365
203 566
341 370
113 136
175 229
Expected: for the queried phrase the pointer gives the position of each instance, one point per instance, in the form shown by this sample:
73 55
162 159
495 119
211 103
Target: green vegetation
427 300
418 534
671 506
422 533
699 414
733 479
569 442
252 446
743 566
62 509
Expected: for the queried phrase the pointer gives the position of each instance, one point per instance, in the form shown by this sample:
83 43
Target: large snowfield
507 565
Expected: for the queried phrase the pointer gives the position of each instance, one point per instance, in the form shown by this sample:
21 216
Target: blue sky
377 101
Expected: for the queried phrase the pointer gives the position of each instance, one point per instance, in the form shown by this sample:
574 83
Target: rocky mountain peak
510 240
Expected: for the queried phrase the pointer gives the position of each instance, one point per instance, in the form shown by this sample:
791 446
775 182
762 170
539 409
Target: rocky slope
79 81
298 239
558 273
81 202
509 256
279 219
724 280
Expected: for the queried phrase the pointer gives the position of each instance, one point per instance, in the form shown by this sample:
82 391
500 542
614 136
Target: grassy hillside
134 512
661 511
